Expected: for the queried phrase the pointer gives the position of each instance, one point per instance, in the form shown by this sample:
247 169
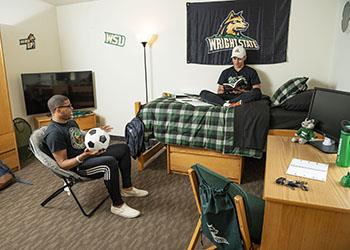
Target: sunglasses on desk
292 184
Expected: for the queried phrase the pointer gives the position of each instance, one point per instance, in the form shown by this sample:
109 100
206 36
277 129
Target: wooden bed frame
181 158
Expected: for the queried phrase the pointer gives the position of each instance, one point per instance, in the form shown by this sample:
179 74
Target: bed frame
181 158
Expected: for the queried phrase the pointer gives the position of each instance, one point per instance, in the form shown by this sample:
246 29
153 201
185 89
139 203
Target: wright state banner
214 28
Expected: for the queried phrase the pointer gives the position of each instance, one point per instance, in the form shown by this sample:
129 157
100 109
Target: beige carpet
167 221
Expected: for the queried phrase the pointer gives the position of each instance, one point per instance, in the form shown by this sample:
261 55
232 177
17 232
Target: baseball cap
238 51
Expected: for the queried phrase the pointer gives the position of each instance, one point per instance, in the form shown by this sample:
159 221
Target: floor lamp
145 64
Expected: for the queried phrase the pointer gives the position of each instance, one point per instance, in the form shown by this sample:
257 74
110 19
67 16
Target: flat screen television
329 107
39 87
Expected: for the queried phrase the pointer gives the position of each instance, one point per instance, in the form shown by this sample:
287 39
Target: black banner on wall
214 28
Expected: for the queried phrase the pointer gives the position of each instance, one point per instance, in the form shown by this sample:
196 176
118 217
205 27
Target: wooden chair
240 211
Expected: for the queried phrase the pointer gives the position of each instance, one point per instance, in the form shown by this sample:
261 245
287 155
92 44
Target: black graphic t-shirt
247 74
59 136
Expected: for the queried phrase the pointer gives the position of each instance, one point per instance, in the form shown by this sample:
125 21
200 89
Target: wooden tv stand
85 122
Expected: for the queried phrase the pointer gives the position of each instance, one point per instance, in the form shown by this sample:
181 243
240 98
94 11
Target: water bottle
343 155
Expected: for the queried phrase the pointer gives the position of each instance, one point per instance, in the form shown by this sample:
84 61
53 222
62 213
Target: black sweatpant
106 165
219 99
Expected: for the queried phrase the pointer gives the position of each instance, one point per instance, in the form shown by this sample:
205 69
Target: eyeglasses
65 106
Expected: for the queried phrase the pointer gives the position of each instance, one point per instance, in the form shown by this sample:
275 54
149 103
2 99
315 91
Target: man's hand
106 128
239 91
88 152
256 86
221 89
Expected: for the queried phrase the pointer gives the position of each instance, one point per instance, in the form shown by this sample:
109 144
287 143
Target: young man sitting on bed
245 77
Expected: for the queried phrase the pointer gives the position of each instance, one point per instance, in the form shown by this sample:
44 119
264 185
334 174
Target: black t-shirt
247 73
59 136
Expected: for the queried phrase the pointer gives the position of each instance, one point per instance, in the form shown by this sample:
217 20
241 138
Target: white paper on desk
308 169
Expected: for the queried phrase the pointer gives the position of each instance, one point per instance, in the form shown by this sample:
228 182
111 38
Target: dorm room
117 60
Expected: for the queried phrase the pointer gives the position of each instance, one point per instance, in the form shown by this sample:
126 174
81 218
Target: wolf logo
234 24
230 34
216 238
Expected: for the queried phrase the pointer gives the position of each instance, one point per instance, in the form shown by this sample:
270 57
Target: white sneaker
226 104
125 211
134 192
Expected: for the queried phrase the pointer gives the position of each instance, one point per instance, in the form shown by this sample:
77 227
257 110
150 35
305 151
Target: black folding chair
70 178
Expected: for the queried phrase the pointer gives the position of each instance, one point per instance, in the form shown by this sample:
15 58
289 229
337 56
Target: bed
286 119
217 137
246 138
241 131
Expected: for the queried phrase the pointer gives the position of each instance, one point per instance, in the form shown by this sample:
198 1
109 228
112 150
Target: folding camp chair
70 178
249 209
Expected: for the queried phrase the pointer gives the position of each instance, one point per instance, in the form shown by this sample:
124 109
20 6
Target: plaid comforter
210 127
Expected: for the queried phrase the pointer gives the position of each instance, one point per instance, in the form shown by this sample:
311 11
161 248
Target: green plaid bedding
210 127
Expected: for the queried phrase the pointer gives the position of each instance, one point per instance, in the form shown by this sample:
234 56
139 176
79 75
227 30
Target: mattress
283 119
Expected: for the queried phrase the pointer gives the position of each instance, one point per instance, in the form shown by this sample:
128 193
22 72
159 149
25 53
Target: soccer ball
96 139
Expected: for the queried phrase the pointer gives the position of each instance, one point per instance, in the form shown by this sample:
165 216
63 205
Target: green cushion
288 90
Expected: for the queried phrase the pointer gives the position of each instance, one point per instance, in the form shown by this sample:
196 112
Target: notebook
308 169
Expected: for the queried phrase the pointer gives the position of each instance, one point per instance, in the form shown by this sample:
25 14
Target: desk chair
70 178
249 209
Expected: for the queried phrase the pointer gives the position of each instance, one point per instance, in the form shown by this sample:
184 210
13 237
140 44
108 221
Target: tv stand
85 122
328 148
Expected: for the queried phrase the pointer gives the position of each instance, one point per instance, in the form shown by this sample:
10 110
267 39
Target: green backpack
219 219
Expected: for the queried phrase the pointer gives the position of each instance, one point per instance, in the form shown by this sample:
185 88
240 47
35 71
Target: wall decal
115 39
29 41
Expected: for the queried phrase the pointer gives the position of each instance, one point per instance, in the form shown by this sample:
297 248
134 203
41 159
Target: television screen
329 107
39 87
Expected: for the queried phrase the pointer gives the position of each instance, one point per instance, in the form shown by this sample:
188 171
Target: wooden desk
295 219
85 122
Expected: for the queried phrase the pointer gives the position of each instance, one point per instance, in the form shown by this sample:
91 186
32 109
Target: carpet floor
168 215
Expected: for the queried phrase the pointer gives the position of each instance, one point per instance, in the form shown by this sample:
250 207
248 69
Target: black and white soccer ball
96 139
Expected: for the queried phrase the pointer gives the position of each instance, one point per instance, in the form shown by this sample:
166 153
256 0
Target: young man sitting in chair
64 141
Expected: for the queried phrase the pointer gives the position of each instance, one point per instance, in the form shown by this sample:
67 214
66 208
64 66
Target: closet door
8 147
5 110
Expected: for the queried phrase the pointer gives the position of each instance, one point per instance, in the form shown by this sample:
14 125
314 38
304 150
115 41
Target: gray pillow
299 102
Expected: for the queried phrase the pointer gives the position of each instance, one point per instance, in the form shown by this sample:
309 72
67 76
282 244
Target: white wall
341 60
46 56
119 72
13 12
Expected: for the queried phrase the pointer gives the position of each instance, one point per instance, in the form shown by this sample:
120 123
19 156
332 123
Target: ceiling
65 2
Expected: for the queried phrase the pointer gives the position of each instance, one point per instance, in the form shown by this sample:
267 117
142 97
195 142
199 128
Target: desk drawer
44 123
86 122
11 159
7 142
